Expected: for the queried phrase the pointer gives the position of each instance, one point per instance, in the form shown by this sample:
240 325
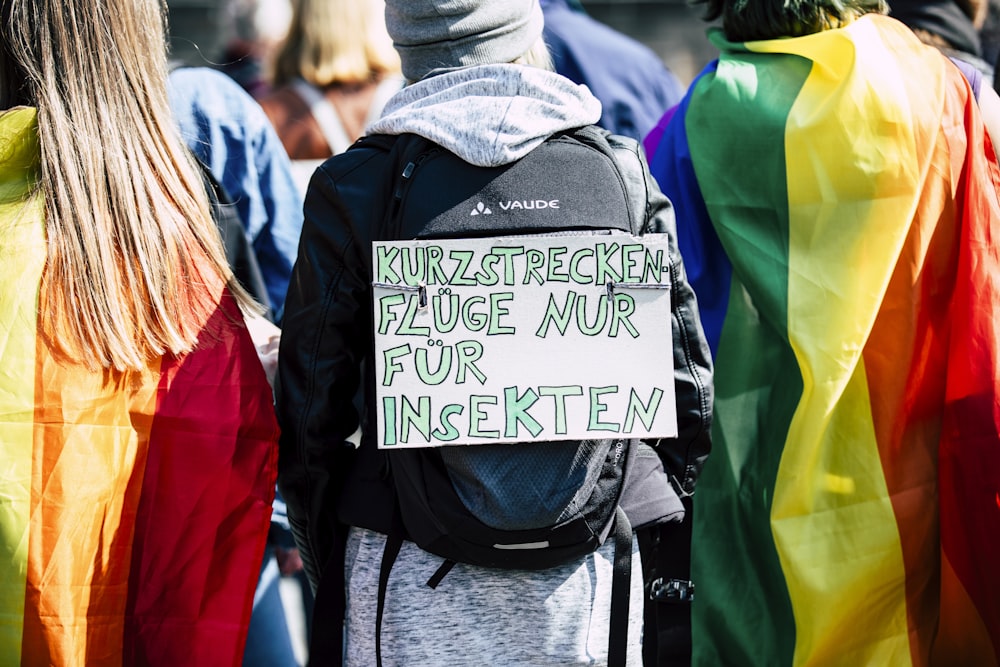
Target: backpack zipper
402 189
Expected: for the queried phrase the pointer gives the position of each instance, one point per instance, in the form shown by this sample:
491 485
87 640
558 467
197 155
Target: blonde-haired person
138 435
331 76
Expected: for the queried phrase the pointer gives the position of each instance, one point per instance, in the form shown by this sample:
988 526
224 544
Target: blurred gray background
671 28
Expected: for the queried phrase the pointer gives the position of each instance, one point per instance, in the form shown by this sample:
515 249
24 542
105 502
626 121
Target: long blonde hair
134 261
336 41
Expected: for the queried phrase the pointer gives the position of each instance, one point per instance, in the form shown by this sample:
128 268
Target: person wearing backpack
411 550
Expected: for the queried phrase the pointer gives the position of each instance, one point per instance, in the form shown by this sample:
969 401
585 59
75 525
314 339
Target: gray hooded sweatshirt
489 115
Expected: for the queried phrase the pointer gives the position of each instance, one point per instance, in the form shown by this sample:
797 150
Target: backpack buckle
671 590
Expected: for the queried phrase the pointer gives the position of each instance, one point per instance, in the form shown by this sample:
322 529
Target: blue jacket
228 131
630 80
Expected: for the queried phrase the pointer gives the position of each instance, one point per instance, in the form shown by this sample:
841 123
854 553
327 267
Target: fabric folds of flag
836 203
134 506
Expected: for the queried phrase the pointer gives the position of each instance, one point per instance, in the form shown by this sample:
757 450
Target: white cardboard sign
515 339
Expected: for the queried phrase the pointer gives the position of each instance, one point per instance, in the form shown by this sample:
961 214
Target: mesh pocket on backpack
525 486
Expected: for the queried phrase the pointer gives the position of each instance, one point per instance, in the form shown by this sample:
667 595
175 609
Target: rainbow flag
133 507
836 203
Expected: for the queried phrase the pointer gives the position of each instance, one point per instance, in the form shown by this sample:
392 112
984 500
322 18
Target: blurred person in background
630 80
953 27
950 25
331 77
231 136
138 439
257 27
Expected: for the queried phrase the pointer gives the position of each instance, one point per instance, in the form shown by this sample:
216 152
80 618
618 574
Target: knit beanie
448 34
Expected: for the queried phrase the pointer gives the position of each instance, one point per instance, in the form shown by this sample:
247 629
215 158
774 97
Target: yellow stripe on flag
22 256
843 172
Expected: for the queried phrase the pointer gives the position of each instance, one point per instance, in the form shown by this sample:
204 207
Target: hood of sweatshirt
489 115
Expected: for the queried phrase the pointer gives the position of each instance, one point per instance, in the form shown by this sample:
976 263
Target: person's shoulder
206 81
588 32
361 161
619 69
617 142
214 95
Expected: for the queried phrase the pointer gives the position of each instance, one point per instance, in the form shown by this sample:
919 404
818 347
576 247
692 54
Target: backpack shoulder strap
626 156
404 152
325 115
239 251
382 142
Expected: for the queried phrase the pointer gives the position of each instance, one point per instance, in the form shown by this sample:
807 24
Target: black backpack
239 252
455 502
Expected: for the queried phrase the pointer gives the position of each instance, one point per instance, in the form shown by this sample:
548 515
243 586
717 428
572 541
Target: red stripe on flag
205 505
969 456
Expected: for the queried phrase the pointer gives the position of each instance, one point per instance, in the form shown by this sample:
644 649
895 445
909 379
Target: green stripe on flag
736 132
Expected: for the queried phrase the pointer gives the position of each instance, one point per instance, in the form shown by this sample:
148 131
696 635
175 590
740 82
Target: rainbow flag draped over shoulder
133 507
836 207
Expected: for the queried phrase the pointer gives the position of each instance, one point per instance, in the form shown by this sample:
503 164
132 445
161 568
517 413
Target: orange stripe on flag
87 475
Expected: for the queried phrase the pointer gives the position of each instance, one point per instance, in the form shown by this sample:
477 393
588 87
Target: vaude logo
529 205
513 205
